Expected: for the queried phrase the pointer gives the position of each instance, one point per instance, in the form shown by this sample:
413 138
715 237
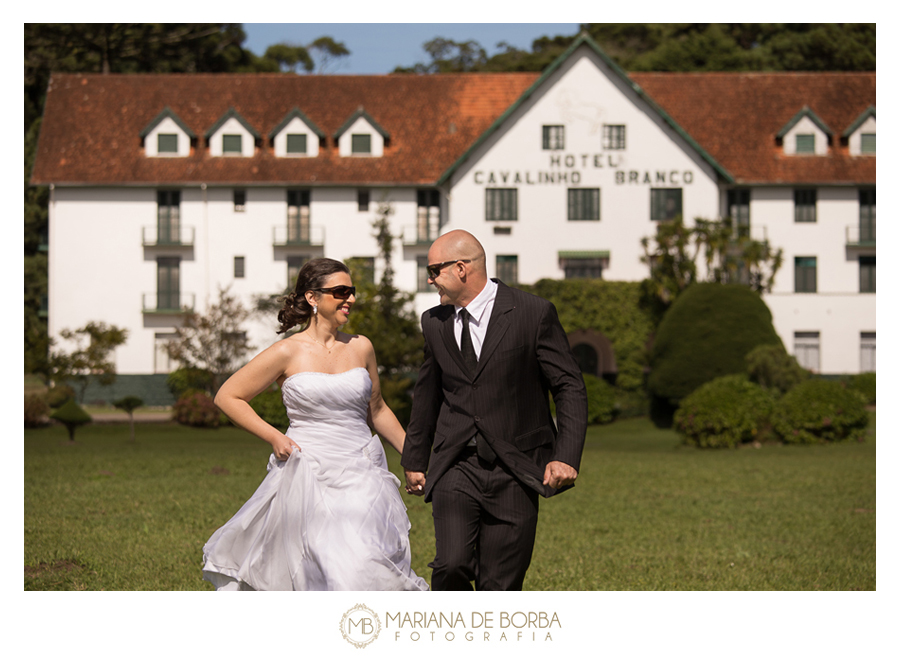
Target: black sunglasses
435 270
338 292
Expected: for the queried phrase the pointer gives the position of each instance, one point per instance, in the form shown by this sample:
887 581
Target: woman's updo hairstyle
296 311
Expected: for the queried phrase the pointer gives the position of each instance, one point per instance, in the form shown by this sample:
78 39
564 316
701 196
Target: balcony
171 303
294 235
419 235
862 235
174 236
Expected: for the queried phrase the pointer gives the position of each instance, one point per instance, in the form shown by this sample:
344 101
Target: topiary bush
36 410
818 410
707 333
773 368
864 382
197 409
72 416
724 413
270 407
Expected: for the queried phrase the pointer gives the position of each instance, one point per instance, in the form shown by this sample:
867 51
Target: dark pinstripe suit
525 354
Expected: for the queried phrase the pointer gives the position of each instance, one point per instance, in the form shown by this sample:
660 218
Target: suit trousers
485 522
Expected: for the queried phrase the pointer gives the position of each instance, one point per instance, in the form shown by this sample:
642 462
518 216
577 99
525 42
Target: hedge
819 410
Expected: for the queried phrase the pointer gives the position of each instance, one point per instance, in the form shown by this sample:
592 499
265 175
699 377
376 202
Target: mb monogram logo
360 626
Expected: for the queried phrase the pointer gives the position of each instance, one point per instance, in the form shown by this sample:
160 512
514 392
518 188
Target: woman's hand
283 448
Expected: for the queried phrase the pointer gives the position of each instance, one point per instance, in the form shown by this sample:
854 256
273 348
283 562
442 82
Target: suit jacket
525 354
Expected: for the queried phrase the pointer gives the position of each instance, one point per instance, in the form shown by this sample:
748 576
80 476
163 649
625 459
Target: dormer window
296 136
361 144
167 136
860 135
805 134
232 136
361 136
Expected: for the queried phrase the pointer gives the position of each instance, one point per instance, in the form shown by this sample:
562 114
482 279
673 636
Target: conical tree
128 404
72 416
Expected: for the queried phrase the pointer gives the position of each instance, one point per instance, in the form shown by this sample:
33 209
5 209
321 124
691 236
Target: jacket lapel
497 325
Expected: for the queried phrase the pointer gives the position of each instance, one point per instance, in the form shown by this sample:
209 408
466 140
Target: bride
328 515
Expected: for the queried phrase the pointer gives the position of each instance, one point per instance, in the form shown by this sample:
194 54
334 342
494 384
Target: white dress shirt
480 310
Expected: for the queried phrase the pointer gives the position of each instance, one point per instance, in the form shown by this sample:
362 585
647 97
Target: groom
481 444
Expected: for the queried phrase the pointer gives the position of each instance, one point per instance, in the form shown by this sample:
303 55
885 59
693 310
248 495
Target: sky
381 47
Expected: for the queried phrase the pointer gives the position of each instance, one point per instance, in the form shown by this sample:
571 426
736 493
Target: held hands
559 474
283 448
415 483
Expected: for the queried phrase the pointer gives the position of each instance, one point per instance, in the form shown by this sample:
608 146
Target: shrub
72 416
820 410
724 413
197 409
183 380
36 410
270 408
58 395
865 384
601 395
707 333
772 367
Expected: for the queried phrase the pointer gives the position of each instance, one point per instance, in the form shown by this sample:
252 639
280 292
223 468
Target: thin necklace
328 349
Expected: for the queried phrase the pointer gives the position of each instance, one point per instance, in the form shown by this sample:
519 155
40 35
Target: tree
88 360
288 56
729 254
72 416
128 404
385 315
214 342
448 56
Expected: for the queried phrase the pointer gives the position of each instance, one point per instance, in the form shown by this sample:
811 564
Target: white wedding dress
330 517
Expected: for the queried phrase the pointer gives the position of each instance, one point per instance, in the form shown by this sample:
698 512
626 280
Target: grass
647 513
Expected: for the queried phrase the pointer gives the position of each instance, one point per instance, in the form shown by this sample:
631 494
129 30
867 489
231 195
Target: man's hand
415 483
557 474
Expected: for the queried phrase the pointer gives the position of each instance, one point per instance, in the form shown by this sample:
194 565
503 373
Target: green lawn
647 513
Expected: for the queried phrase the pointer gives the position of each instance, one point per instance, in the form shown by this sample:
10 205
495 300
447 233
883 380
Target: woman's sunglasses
338 292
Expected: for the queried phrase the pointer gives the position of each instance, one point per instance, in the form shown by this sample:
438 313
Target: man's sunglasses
435 270
338 292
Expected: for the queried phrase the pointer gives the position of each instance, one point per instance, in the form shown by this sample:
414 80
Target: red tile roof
92 123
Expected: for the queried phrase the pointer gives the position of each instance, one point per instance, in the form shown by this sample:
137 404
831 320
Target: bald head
464 274
460 245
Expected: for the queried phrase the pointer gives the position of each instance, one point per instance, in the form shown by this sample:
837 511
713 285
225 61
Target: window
294 263
806 143
805 205
166 143
362 200
665 204
231 144
508 269
867 351
867 215
554 138
168 285
584 204
428 215
739 211
168 216
361 144
296 144
805 274
238 267
867 143
162 362
806 349
240 200
501 205
613 137
867 273
298 217
584 267
422 275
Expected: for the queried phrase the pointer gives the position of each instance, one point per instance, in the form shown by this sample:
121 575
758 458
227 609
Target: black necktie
467 349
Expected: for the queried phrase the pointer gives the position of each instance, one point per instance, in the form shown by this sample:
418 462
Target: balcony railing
155 236
427 227
861 235
167 303
298 236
